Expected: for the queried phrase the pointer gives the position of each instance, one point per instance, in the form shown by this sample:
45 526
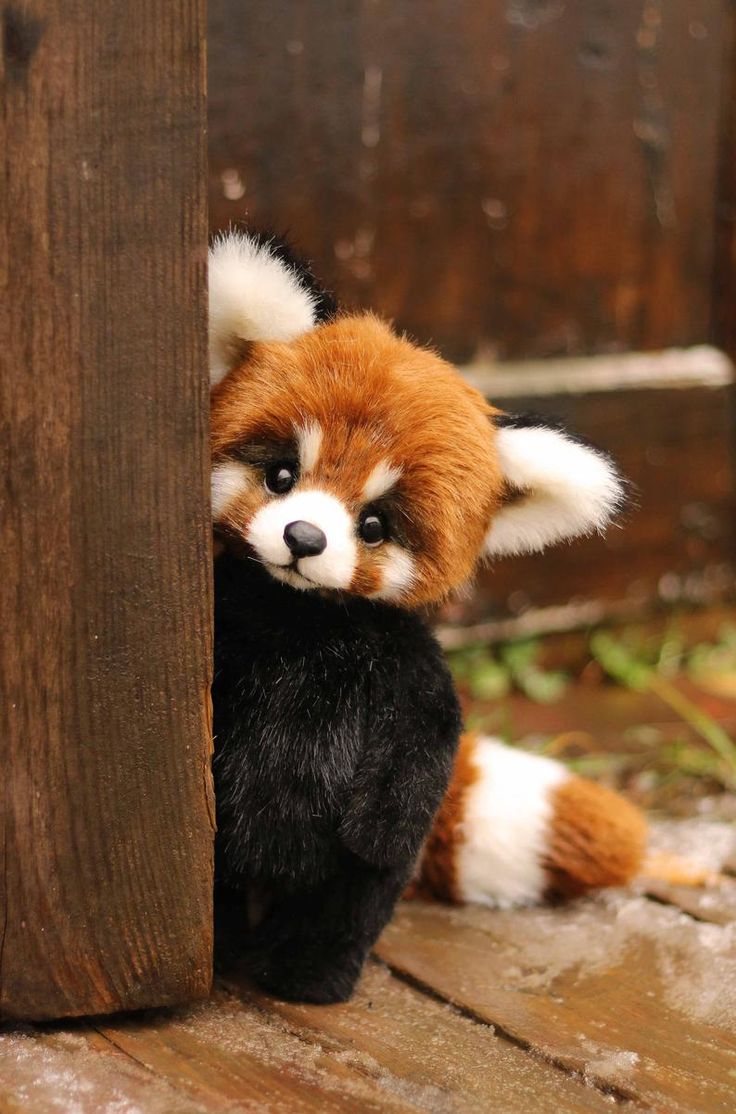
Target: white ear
565 489
254 294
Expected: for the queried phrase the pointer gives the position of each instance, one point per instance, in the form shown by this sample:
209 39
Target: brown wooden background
515 179
534 175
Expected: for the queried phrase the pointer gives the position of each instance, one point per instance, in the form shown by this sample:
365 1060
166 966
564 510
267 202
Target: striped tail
516 829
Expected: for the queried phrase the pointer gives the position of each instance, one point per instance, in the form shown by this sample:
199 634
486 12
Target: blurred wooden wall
513 180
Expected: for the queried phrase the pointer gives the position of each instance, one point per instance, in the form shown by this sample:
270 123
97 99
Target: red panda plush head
348 458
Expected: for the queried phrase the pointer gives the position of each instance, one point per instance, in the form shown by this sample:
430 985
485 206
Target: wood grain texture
105 592
78 1069
537 178
622 994
227 1057
610 1001
433 1055
724 277
390 1049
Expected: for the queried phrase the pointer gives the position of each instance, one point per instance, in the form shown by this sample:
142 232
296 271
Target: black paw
301 976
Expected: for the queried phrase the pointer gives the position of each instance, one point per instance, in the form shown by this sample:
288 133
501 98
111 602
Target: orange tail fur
516 828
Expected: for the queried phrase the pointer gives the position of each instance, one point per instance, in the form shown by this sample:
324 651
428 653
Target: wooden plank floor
627 1000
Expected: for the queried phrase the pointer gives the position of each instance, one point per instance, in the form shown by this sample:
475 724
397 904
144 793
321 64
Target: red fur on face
377 398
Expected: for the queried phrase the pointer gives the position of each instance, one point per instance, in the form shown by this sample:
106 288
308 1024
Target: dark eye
280 477
372 528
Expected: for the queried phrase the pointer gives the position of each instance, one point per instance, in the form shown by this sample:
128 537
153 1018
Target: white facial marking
399 573
570 490
229 480
381 480
309 440
506 826
334 567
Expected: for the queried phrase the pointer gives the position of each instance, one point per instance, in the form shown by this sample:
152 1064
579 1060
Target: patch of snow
694 964
706 843
613 1065
65 1074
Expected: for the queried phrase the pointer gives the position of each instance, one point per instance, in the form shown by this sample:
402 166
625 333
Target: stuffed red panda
356 478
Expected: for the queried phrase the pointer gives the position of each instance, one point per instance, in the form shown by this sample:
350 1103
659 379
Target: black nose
304 540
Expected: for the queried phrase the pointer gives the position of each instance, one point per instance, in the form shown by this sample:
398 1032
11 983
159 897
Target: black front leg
312 945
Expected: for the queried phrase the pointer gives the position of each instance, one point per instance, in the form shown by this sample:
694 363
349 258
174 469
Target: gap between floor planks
416 1038
392 1048
583 987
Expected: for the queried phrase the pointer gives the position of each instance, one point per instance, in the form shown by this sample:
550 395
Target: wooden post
107 821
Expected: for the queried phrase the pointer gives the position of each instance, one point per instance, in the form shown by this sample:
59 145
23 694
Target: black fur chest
307 690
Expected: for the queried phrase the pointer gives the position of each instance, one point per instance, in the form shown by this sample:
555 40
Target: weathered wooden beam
106 807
